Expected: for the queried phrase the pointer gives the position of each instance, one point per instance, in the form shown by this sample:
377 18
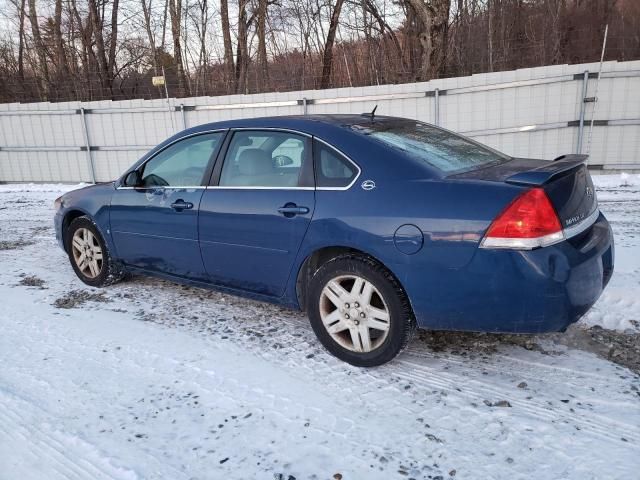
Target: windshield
439 148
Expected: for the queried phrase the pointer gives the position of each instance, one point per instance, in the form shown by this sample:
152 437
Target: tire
98 268
370 302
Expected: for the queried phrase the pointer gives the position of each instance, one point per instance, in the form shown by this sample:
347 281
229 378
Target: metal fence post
184 118
583 103
85 129
437 106
304 105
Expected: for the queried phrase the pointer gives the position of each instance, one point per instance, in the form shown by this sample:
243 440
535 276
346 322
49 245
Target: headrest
254 161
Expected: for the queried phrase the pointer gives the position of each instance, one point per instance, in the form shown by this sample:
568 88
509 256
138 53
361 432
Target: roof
312 124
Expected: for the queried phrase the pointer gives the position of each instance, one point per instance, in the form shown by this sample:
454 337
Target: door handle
180 205
291 209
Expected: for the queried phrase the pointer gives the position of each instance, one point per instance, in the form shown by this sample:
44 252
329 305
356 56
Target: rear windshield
444 150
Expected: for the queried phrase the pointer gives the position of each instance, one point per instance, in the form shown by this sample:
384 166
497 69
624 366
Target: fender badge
368 185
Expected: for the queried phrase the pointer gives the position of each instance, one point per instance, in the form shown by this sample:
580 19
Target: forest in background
59 50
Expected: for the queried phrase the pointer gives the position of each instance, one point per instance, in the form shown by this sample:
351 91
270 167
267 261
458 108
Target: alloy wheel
354 313
87 252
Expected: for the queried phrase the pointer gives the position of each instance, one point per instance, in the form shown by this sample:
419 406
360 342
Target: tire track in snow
414 367
268 401
457 385
524 369
70 457
429 378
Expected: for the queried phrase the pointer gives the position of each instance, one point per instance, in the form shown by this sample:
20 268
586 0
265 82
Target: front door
255 215
154 224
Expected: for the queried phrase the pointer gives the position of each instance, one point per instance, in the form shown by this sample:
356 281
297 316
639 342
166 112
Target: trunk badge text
574 219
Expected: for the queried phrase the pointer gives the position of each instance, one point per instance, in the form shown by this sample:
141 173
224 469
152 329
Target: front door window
182 164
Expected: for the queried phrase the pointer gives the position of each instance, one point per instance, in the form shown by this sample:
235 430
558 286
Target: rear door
155 224
255 213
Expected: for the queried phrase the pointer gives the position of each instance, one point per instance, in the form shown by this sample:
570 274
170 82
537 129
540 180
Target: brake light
530 221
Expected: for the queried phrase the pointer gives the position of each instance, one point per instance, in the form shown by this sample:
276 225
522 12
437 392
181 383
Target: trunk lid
566 181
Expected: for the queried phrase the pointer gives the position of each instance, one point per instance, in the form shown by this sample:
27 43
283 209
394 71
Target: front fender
93 201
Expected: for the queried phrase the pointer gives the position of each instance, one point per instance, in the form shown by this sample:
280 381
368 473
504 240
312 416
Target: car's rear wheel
89 255
359 311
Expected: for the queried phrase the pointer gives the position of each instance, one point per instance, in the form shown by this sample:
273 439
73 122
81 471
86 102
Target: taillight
530 221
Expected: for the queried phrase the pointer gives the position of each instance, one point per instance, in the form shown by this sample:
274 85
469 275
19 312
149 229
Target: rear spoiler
559 167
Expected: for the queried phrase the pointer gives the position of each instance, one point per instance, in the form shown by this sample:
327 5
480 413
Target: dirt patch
468 344
40 230
32 281
618 347
15 244
76 298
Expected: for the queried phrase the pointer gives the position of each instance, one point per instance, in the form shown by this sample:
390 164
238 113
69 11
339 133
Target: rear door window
264 159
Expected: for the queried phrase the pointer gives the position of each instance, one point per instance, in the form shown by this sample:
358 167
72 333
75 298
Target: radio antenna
373 112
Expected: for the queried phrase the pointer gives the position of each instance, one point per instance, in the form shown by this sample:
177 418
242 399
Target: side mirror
132 179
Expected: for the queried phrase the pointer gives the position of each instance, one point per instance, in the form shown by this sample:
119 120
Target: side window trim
342 154
207 173
306 176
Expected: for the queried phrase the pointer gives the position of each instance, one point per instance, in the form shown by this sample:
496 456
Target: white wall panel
43 141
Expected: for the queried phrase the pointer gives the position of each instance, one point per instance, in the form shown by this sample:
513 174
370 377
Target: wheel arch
76 212
322 255
69 217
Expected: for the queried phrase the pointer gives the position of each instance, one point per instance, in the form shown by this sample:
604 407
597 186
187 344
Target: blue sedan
374 225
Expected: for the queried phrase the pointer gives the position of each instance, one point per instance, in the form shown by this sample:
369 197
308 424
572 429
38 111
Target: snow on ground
619 306
148 379
58 188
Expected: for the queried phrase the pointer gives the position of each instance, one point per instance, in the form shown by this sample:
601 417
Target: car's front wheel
89 255
359 311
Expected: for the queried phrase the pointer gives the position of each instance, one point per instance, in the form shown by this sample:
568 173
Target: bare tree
175 12
242 52
21 15
61 58
385 28
40 49
434 24
96 49
88 58
201 26
146 11
327 56
101 54
113 42
263 77
228 46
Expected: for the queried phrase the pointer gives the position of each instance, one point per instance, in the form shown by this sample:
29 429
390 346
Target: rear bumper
535 291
